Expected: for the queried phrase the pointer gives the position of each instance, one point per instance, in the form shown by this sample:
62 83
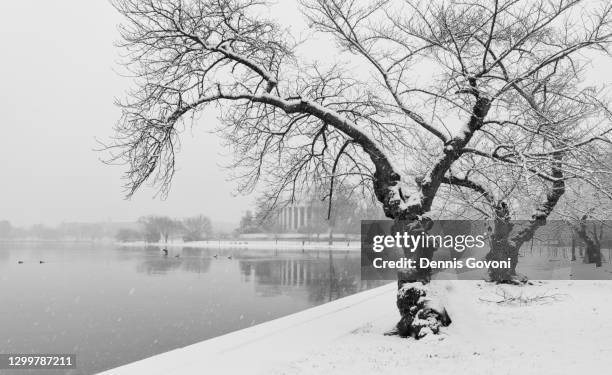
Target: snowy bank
352 245
553 327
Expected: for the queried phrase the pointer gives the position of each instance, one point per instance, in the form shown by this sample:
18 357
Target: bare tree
157 228
587 210
453 86
513 71
196 228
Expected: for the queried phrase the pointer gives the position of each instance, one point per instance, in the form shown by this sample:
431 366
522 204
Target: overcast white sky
57 87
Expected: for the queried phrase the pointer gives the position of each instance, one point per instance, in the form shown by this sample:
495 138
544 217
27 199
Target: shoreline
352 245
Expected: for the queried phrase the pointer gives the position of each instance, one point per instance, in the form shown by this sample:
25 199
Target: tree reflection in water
316 276
323 278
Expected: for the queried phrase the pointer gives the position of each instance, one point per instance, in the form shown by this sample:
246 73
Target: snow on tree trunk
406 208
420 314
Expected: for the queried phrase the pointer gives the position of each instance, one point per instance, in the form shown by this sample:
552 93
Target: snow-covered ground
551 327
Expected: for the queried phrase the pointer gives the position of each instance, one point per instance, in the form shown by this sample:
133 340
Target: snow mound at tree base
420 315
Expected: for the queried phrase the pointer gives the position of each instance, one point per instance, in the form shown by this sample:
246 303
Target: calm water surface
112 305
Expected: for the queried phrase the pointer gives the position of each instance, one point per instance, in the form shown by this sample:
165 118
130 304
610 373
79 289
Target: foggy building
300 216
295 217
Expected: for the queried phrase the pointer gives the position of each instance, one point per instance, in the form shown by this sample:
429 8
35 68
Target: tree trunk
420 315
419 274
506 241
592 253
503 248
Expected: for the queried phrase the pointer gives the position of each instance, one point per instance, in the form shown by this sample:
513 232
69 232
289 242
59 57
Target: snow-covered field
552 327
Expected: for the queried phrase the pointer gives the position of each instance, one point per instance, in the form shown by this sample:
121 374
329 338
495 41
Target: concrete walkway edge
261 348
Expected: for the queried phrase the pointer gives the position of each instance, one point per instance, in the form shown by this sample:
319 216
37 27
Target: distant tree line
73 231
150 228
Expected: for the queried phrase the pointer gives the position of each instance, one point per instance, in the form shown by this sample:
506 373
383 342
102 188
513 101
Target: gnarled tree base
420 315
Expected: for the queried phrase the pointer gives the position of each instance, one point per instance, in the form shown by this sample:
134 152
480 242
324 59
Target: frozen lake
112 305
